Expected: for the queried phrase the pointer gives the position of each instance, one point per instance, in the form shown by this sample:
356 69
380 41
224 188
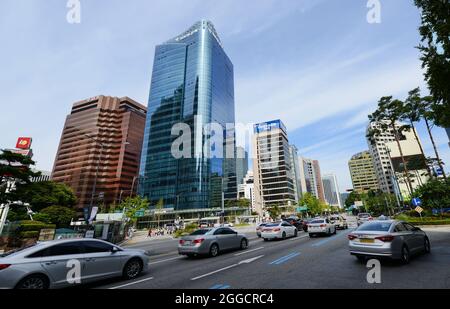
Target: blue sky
316 64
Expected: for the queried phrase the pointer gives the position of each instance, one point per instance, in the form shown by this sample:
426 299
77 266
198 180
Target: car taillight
352 237
370 218
4 266
276 230
181 242
387 238
323 225
198 241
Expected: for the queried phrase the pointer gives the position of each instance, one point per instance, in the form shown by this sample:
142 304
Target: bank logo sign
269 126
23 143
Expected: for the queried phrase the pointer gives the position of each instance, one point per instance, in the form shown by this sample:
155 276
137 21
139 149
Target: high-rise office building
363 173
247 190
331 190
272 169
388 162
313 178
241 164
100 148
293 152
192 85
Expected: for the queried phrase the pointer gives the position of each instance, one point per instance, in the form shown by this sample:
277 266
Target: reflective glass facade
192 83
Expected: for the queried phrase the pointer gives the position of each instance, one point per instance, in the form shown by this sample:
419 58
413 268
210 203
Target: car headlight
147 253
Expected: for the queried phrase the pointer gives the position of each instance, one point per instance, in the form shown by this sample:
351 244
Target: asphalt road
300 262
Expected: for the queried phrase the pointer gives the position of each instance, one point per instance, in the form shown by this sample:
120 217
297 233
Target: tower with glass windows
192 84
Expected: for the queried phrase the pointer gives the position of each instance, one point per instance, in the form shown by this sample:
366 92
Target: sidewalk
142 236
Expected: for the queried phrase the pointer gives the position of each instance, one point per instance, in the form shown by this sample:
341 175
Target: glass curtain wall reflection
192 83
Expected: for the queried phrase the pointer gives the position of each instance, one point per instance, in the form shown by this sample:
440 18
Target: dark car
295 222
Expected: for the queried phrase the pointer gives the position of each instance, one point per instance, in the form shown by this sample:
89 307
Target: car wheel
311 235
132 269
33 282
334 231
190 256
244 244
405 257
214 250
265 239
283 235
295 233
427 246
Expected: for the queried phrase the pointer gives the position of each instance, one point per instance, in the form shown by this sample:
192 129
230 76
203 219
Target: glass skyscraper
192 83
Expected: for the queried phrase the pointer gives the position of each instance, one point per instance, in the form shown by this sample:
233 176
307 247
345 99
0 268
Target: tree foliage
315 206
434 194
14 168
274 212
435 50
58 215
44 194
132 205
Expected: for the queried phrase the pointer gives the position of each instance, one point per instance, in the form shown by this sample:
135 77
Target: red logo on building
23 143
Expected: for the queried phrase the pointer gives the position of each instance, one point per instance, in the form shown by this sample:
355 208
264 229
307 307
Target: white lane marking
296 238
161 261
249 251
228 267
131 283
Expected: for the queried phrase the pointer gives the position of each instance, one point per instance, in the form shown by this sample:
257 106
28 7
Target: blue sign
417 201
268 126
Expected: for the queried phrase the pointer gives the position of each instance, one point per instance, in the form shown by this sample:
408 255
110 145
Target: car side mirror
114 250
416 229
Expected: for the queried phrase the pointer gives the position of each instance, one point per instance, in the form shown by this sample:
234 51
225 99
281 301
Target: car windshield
363 215
17 250
317 221
334 218
273 224
375 226
200 232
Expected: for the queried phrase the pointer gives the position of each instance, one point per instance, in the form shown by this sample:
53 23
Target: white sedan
321 226
278 230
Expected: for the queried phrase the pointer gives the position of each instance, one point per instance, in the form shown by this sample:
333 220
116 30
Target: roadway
301 262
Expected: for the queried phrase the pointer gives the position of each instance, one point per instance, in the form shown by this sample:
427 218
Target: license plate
367 241
187 243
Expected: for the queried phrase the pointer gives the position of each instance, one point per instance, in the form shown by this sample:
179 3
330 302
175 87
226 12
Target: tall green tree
58 215
387 115
131 205
435 50
315 206
434 194
413 113
15 171
44 194
274 212
416 108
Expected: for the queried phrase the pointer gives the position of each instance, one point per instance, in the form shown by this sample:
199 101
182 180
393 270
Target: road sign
417 201
139 213
302 208
359 204
419 209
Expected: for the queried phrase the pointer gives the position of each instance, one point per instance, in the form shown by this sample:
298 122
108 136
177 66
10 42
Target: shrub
29 234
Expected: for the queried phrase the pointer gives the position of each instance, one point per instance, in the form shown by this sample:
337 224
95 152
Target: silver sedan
211 242
63 263
388 238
